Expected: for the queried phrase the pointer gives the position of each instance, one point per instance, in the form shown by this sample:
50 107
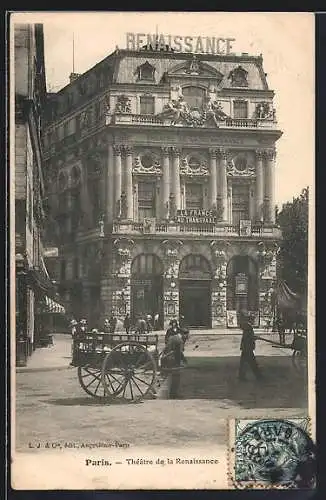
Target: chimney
73 77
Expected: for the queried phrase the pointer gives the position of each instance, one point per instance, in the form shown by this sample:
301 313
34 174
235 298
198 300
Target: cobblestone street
52 407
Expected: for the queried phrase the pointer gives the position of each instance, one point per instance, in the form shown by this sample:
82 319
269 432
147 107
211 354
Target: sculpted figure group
178 111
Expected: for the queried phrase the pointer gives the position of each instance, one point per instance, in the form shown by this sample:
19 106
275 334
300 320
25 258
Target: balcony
152 120
194 229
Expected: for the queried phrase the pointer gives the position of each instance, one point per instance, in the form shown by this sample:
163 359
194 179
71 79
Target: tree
293 256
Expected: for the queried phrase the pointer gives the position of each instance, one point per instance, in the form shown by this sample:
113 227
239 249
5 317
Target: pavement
202 343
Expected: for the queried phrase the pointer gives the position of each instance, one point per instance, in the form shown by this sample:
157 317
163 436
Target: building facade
32 280
162 167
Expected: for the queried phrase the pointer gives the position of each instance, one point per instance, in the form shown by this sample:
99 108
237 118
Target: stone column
165 182
109 188
223 191
259 186
117 177
85 201
175 177
269 186
128 183
213 179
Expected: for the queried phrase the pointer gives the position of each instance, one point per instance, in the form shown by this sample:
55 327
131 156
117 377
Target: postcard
162 250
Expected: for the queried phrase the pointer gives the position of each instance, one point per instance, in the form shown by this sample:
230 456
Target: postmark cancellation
271 453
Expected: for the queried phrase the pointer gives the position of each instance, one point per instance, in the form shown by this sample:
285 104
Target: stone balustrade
194 229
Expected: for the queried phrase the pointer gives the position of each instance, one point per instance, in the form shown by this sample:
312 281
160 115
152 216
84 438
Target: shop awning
54 307
41 281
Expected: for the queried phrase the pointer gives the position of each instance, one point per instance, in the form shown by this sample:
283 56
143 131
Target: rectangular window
63 270
147 105
240 109
194 196
146 200
240 203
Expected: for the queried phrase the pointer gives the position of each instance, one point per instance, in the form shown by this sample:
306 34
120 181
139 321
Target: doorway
147 287
195 291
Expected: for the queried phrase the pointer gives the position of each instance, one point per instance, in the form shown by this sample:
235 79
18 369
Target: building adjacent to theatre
33 285
162 168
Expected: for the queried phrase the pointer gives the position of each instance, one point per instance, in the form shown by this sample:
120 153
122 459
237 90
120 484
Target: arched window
194 266
147 264
194 96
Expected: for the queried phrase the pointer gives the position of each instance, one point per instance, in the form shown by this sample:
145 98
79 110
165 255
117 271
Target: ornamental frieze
147 163
193 167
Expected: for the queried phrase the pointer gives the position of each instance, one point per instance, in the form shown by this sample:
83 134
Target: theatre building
162 167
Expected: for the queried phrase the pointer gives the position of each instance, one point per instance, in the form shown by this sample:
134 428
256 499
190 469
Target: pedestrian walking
113 323
156 321
247 347
73 328
127 323
172 357
106 326
149 325
281 329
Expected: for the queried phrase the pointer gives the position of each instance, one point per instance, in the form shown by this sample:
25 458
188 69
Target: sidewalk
224 342
56 357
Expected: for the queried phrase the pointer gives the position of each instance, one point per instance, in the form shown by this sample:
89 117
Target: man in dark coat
127 323
247 348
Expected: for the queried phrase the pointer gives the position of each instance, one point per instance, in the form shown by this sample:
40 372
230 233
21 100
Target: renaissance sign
178 43
203 216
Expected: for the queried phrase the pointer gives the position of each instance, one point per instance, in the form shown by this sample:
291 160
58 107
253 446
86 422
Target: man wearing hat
73 327
247 348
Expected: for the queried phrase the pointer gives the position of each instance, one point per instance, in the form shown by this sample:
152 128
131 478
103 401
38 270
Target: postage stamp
271 453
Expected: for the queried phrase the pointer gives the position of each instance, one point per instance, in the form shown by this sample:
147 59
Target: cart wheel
128 372
299 361
91 381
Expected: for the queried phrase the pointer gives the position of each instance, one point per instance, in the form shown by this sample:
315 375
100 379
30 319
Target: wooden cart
113 365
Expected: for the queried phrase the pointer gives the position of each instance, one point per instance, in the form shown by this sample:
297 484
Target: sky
286 41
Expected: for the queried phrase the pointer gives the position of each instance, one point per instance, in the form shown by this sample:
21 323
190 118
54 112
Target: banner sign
196 216
50 252
241 284
177 43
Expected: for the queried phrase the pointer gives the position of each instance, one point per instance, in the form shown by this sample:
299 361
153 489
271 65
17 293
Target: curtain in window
240 109
147 105
240 203
146 200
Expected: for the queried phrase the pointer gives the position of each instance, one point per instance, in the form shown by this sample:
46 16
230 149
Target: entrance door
146 287
194 305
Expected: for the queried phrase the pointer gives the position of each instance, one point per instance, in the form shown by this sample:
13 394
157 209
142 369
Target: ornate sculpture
194 67
214 110
175 109
123 249
172 257
172 206
264 111
124 205
238 77
123 104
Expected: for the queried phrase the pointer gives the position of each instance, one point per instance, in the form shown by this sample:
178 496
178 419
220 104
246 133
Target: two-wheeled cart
116 366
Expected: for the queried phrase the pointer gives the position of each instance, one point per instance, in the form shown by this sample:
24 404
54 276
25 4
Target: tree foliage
293 256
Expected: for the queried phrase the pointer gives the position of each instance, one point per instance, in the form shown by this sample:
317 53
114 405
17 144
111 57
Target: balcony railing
194 229
137 119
